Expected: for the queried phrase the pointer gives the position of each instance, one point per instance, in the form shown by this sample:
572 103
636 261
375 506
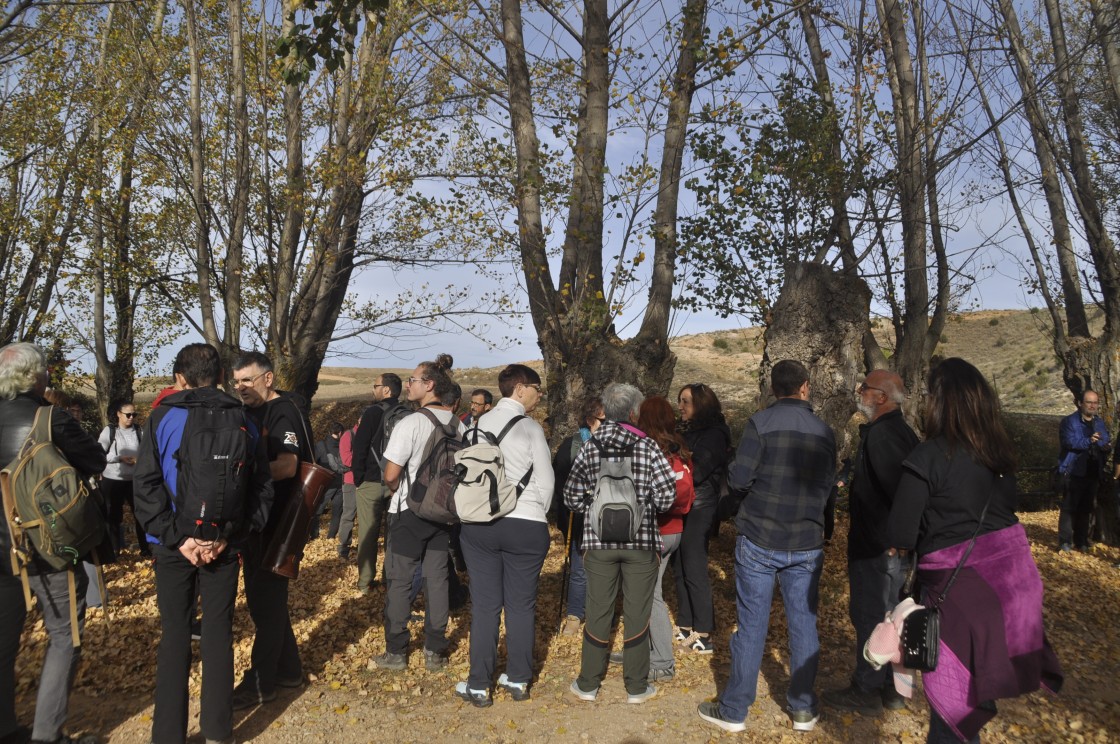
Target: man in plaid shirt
783 474
634 563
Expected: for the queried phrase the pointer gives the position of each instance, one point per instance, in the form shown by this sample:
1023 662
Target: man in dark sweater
371 493
875 570
781 478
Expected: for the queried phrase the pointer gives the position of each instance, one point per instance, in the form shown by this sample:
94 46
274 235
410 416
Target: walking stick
567 567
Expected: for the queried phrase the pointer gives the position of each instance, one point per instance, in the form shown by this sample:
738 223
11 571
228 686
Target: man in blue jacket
191 559
780 481
1085 447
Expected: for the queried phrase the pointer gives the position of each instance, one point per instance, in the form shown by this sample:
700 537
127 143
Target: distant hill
1011 347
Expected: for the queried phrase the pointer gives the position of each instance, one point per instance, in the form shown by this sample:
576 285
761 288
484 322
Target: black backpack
214 467
390 415
432 494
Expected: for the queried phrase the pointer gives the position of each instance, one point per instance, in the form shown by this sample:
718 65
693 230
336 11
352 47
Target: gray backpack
616 510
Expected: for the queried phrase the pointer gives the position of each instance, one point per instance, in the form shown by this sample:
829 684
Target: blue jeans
798 573
577 576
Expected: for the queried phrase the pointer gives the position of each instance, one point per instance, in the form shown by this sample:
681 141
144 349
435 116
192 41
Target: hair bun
444 361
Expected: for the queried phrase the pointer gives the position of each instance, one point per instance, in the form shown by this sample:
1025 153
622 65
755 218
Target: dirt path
339 631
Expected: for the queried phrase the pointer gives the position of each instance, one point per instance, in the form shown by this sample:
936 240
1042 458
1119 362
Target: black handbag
921 630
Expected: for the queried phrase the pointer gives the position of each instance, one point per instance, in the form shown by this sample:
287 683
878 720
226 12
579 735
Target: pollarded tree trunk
820 320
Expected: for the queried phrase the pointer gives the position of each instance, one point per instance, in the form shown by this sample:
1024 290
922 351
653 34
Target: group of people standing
921 504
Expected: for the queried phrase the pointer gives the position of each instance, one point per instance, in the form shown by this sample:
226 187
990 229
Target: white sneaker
804 720
643 696
589 696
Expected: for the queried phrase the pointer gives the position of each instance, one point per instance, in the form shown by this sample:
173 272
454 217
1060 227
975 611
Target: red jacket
346 453
672 521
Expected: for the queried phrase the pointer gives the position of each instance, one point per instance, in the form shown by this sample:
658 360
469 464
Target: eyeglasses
413 380
536 387
248 380
601 419
864 387
128 415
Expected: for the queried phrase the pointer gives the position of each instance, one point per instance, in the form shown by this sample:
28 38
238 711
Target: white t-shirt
406 448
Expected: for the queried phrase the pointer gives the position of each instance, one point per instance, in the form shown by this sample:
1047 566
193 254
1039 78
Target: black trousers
504 560
118 493
416 542
1077 508
690 571
275 653
12 614
177 582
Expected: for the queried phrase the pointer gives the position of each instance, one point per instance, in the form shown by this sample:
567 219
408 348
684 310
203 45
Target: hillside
1011 347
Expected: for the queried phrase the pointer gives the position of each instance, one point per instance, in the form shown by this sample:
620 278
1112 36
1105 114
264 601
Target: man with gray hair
635 562
23 380
875 569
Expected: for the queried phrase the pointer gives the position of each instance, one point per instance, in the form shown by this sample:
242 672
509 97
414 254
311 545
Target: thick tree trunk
820 319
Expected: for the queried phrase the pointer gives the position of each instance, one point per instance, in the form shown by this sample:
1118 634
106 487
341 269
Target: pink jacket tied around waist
993 644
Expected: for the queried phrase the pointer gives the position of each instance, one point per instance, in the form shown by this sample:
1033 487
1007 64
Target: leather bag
285 549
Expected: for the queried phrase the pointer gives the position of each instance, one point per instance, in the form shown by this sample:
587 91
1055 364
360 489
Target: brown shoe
570 626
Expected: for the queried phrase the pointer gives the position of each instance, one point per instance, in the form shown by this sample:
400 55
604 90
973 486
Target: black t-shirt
940 497
285 429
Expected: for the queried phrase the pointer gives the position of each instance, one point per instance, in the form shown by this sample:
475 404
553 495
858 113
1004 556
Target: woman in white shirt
504 557
121 442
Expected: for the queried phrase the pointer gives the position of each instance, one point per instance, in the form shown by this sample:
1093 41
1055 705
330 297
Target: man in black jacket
372 495
188 564
875 570
23 380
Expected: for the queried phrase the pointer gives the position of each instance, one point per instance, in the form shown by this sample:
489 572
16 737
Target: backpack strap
12 518
71 588
448 429
524 482
378 438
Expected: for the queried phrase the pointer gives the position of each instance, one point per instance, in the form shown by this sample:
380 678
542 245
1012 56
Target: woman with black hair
955 507
121 442
708 438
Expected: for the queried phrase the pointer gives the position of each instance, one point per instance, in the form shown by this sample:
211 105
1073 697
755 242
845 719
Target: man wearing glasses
1085 446
370 493
275 658
482 400
875 570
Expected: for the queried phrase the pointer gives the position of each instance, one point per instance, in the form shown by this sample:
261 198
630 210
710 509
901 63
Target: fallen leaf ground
339 631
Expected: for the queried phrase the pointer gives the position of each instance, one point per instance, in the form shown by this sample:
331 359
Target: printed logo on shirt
291 438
